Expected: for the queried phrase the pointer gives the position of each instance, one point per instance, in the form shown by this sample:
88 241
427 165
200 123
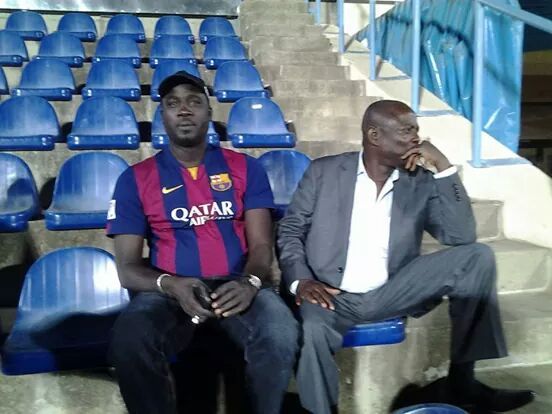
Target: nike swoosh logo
166 190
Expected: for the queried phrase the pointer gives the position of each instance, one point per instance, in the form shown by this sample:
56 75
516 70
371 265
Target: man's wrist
159 282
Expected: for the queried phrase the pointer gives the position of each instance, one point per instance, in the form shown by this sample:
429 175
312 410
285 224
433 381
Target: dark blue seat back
104 122
117 47
238 79
4 89
18 194
67 307
112 78
29 25
13 51
173 25
222 49
258 122
80 25
160 139
215 27
127 25
284 168
431 408
62 46
173 47
28 123
50 78
166 69
83 189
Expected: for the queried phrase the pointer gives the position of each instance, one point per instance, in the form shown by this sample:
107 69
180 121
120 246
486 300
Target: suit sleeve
294 228
450 217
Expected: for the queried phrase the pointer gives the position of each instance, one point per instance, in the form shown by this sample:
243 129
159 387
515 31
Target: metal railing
478 66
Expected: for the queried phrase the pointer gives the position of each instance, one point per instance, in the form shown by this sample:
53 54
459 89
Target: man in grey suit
350 253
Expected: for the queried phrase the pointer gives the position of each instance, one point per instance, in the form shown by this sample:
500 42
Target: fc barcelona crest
220 182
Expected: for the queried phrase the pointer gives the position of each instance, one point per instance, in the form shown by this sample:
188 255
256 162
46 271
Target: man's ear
371 135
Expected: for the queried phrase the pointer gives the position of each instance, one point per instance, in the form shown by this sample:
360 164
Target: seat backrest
4 89
172 47
109 74
128 25
215 27
104 116
224 48
29 25
117 46
80 25
172 25
237 75
256 116
166 69
284 168
86 181
46 74
61 44
17 185
68 281
11 44
26 116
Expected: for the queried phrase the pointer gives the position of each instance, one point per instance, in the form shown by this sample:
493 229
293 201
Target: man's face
186 115
398 135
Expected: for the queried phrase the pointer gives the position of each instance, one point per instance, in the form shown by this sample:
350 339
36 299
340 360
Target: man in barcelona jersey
205 213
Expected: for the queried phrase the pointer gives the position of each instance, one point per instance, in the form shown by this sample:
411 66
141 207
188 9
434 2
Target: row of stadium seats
53 80
69 49
31 26
29 123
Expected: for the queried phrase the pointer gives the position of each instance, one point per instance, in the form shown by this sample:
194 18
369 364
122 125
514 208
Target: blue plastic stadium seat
52 79
118 47
80 25
67 307
160 140
4 89
168 48
19 200
62 46
258 122
222 49
104 122
432 408
284 168
83 190
166 69
127 25
391 331
27 24
28 123
112 78
212 27
13 51
173 25
239 79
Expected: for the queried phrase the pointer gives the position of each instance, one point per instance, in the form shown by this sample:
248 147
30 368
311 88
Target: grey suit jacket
313 236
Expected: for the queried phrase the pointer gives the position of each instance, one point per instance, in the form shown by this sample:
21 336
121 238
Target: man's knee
484 255
280 337
316 329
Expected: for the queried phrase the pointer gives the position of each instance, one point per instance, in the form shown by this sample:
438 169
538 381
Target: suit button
340 269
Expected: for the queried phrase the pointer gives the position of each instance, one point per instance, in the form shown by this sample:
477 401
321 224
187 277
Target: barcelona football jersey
195 225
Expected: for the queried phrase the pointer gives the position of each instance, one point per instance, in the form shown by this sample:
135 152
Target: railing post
341 26
416 29
479 51
372 40
318 11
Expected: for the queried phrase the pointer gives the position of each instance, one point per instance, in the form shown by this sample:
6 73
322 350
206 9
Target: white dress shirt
367 253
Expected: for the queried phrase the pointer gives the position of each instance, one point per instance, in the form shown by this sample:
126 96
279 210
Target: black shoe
482 397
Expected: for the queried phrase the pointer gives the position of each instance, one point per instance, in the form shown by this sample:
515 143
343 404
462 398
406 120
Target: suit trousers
466 274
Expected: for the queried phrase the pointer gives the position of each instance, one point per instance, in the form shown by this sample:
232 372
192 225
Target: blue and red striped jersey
194 227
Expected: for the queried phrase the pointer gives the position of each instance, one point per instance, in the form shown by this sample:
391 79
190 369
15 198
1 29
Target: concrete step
521 266
321 107
272 16
295 72
318 129
289 43
283 29
277 57
318 88
263 6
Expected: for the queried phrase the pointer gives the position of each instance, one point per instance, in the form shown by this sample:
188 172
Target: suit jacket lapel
346 190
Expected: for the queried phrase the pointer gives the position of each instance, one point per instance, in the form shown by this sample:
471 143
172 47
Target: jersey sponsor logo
111 215
199 215
168 190
220 182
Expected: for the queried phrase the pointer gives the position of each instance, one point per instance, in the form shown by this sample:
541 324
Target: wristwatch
254 281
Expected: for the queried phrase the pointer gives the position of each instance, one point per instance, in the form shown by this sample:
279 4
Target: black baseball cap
179 78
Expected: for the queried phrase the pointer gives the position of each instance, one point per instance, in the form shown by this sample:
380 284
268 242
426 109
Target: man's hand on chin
429 156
